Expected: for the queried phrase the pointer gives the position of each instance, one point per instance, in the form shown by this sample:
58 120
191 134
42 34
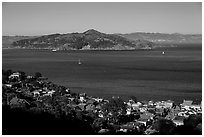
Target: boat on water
79 62
163 52
54 50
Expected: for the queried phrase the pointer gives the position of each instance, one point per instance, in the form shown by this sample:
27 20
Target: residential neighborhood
113 116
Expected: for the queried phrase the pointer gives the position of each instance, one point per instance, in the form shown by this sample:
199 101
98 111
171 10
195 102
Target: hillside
162 38
88 40
7 41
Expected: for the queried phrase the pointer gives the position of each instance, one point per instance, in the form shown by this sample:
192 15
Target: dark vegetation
7 41
162 38
23 113
92 38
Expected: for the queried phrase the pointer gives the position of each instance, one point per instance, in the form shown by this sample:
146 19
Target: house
98 106
36 93
178 120
29 77
15 75
100 114
168 104
170 116
90 101
49 93
130 126
8 85
82 99
196 107
128 111
143 109
42 79
136 106
143 121
67 90
90 107
82 106
159 104
82 94
186 104
176 110
159 111
77 108
150 103
17 102
184 114
104 131
147 115
98 99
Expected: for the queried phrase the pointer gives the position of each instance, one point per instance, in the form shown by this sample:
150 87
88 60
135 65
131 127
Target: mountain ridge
88 40
95 40
164 38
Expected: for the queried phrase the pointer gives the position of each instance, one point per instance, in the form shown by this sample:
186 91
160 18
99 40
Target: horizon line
105 33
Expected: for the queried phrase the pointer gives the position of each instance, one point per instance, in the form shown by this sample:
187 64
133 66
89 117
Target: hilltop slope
7 41
90 39
162 38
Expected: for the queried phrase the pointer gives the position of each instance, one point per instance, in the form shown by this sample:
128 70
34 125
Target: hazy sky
46 18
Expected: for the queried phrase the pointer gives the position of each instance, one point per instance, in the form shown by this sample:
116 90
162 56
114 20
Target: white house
14 75
82 99
178 120
168 104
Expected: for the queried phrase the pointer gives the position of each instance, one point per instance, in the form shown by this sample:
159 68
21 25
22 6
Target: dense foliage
64 112
91 38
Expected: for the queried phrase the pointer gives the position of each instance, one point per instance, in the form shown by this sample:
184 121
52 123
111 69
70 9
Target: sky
32 18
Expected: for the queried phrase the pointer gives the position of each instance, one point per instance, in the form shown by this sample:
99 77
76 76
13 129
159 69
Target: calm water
177 75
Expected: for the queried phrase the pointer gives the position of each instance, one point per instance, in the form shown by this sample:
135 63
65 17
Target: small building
147 115
143 121
100 114
15 75
36 93
151 103
90 107
196 107
184 114
143 109
8 85
98 99
29 77
42 78
187 103
128 111
130 126
159 104
82 106
178 120
136 106
168 104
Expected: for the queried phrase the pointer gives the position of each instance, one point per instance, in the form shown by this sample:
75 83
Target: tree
9 72
193 120
38 74
99 123
133 98
115 106
4 79
164 126
23 75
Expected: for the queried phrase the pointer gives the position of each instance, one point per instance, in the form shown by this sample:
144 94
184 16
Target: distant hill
95 40
162 38
88 40
7 41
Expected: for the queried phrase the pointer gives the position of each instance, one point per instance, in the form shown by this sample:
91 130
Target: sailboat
79 62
